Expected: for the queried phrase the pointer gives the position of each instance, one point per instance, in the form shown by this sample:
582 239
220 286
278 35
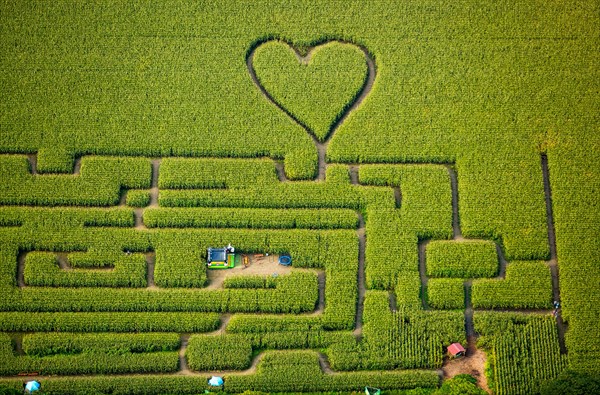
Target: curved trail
363 93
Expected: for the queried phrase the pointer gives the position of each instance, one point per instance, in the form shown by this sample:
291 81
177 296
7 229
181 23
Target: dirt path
469 325
457 233
553 263
423 272
32 158
183 367
324 363
77 166
322 281
150 262
154 184
259 266
362 245
363 93
280 171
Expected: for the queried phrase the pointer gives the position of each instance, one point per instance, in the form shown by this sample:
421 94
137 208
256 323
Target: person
556 304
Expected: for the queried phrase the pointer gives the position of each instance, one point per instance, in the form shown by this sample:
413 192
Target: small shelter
215 381
456 350
372 391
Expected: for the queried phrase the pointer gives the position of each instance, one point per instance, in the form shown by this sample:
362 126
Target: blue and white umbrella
32 386
215 381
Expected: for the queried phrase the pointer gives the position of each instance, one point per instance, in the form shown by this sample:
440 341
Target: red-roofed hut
456 350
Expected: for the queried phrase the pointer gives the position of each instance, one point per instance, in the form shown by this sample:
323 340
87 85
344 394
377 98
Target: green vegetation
42 269
138 198
210 353
108 322
463 259
250 218
98 97
275 375
445 293
99 183
527 285
317 91
92 361
43 344
523 351
406 339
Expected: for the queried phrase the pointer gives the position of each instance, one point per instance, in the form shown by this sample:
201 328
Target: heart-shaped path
315 90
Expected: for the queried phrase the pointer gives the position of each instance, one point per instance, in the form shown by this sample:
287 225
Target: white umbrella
32 386
215 381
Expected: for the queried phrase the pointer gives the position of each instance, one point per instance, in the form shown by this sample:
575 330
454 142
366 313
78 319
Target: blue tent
32 386
215 381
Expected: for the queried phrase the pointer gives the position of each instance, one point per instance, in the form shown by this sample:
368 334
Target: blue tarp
215 381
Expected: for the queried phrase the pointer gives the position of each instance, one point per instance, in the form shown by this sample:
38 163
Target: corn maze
431 168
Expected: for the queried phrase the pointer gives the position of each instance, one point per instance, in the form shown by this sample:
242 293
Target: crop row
574 175
295 293
341 287
527 285
99 183
250 281
462 259
197 173
42 269
266 323
406 339
445 293
526 357
54 160
108 322
250 218
296 195
65 217
210 353
408 290
275 374
86 363
52 343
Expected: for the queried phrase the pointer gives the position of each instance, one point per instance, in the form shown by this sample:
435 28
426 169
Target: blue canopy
215 381
32 386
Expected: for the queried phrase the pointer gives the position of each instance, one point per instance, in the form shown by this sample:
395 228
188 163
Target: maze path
360 280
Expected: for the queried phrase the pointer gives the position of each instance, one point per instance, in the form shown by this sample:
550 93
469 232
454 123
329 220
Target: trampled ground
432 169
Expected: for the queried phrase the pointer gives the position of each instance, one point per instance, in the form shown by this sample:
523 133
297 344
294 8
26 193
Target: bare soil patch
473 363
259 266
